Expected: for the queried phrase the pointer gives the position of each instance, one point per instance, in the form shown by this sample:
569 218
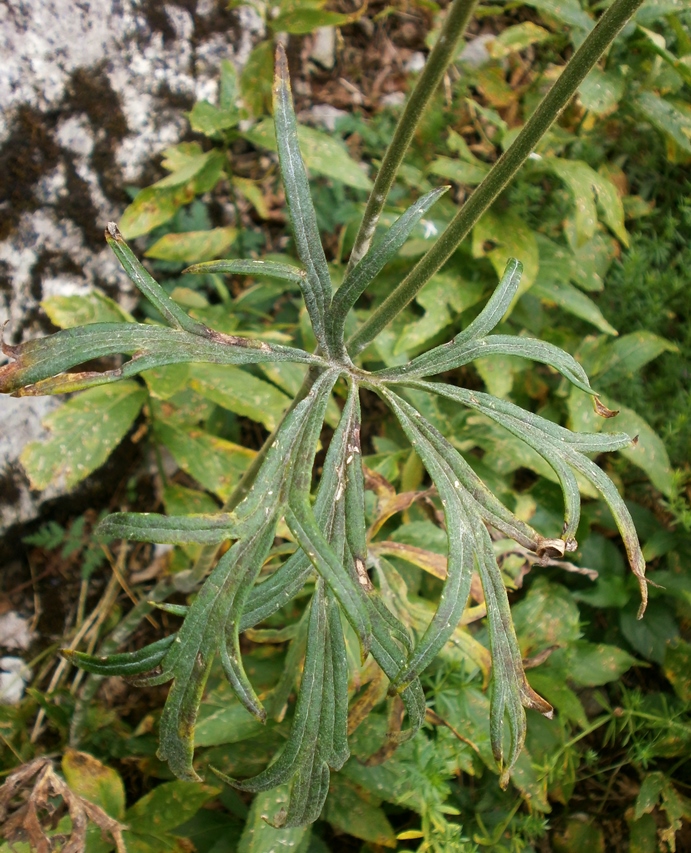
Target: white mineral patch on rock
14 631
149 62
14 676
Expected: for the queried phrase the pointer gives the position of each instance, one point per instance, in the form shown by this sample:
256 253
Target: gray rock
90 94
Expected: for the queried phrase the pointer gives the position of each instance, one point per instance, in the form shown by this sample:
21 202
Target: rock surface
90 94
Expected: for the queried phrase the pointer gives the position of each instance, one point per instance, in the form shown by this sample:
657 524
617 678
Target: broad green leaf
349 812
498 373
677 668
570 299
193 245
179 500
259 836
566 11
167 806
256 79
443 296
459 171
601 91
591 191
89 778
165 382
503 236
650 636
666 117
590 664
225 725
69 311
152 207
305 20
517 38
322 153
209 119
547 616
629 353
649 794
85 431
215 463
240 392
580 835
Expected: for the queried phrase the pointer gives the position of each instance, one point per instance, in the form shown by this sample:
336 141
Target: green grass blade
171 311
317 285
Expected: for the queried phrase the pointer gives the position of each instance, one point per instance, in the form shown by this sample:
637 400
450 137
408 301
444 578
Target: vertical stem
503 171
454 26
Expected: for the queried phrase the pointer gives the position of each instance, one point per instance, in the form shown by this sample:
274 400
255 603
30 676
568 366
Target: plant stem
454 26
503 171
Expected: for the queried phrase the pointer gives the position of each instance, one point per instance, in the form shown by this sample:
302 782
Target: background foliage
601 221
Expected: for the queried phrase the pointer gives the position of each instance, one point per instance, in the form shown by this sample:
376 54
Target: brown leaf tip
113 231
602 410
281 66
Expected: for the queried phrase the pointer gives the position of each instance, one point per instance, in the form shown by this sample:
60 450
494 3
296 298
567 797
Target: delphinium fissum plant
330 531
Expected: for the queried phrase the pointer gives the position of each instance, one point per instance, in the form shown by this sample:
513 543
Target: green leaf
349 812
66 312
548 616
167 806
152 207
501 237
250 267
566 11
517 38
240 392
442 297
373 262
629 353
299 20
125 663
649 636
591 191
601 91
459 171
89 778
677 668
85 430
649 794
215 463
193 245
259 836
209 119
317 283
667 118
570 299
591 665
171 529
225 725
322 153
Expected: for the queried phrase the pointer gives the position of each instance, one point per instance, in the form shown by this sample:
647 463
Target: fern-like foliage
329 531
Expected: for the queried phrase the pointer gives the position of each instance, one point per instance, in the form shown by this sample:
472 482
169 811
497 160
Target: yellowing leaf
193 246
90 779
500 236
70 311
85 431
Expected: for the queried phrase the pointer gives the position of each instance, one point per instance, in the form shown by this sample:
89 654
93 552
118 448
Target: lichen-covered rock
90 94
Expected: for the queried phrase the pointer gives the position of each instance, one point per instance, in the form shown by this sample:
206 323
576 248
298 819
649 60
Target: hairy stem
503 171
454 26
